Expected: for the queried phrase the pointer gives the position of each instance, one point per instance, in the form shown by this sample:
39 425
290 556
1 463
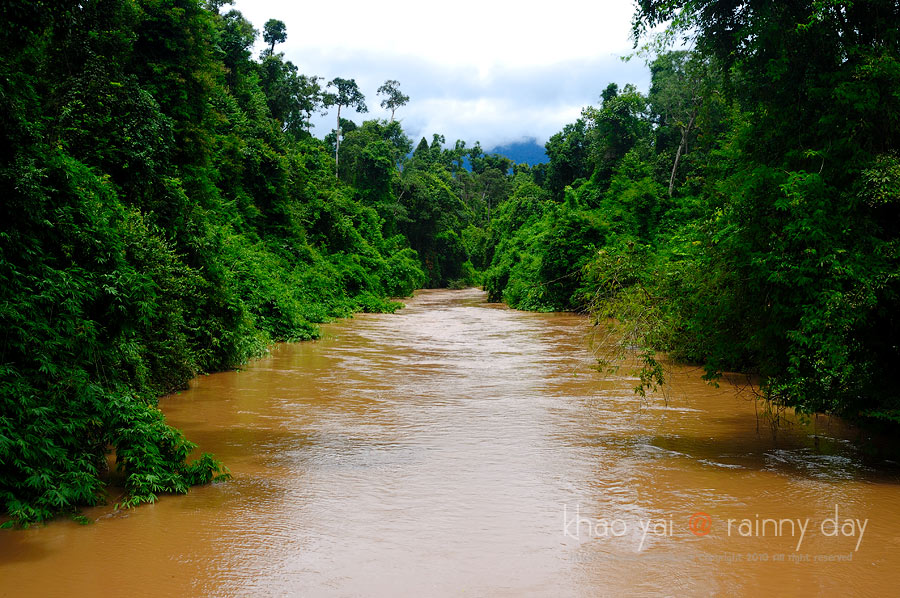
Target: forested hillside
168 209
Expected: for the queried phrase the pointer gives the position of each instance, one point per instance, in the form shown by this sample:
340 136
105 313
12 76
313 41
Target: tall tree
290 96
394 98
311 98
347 94
676 96
274 32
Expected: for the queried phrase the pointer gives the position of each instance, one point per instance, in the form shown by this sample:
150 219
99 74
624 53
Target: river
460 448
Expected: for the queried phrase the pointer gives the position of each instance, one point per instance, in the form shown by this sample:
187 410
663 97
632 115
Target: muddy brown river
459 448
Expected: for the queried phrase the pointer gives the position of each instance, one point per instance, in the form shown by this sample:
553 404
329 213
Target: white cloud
491 120
489 71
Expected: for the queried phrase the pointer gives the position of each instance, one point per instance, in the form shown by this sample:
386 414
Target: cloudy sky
487 70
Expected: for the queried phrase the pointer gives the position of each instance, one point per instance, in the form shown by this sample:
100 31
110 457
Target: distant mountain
527 151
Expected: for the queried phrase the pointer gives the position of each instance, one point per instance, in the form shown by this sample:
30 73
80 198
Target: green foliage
744 214
568 153
433 215
393 97
274 32
538 265
163 215
167 212
94 313
616 127
793 228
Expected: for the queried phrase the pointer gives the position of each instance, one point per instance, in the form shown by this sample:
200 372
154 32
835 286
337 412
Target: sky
492 71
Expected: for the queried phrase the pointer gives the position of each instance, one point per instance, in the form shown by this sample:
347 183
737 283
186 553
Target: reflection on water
461 448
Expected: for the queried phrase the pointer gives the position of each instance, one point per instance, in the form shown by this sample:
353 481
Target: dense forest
168 209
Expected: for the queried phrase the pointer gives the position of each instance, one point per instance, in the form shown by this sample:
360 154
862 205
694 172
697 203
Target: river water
459 448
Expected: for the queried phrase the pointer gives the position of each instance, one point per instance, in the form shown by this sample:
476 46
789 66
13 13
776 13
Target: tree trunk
337 142
681 147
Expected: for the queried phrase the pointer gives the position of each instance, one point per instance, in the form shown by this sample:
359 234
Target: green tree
422 152
282 85
615 127
311 98
568 154
236 37
215 5
274 32
346 94
161 220
371 154
679 80
394 98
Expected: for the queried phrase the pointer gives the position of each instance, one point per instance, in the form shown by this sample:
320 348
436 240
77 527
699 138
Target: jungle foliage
167 211
742 215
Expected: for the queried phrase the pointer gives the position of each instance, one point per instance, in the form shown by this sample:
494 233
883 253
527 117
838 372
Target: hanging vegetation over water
744 213
167 210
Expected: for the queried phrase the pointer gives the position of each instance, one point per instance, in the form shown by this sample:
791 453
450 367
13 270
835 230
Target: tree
423 152
155 223
615 127
280 82
457 156
370 155
215 5
394 97
347 94
311 97
675 99
236 37
567 151
274 32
